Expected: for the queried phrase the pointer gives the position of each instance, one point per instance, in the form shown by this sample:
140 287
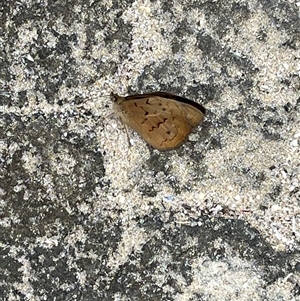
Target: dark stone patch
180 35
155 165
203 93
285 16
215 143
245 241
296 290
62 45
297 267
175 184
225 15
120 36
35 12
271 121
262 35
52 267
252 177
148 190
274 194
226 57
158 163
44 139
166 6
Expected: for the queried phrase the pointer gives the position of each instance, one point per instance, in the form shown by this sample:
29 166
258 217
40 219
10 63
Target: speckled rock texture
86 216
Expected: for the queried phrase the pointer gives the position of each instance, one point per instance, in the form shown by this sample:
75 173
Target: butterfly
164 120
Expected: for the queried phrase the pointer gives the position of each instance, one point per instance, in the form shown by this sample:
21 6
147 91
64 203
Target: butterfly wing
163 122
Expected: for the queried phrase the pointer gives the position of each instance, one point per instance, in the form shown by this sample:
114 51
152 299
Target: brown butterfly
164 120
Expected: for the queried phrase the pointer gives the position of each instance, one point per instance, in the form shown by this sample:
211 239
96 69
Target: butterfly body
164 120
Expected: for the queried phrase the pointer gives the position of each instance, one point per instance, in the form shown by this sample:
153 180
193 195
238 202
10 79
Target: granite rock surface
86 216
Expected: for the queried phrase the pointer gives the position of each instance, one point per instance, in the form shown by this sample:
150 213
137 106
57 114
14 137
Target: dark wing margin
168 96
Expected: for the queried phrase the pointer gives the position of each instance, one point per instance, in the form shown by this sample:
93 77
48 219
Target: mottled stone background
83 216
